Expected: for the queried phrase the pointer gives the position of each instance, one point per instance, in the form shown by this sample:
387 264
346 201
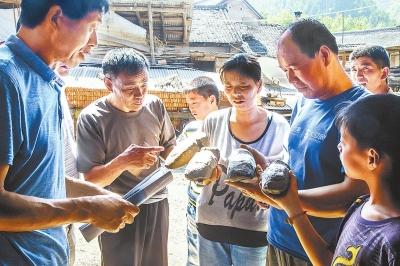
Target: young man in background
370 66
202 97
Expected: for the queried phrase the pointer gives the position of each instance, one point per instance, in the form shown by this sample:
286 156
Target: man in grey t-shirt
108 134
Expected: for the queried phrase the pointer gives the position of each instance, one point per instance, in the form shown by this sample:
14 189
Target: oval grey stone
201 166
275 179
241 166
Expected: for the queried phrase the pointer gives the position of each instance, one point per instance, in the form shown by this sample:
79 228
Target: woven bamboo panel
79 98
175 102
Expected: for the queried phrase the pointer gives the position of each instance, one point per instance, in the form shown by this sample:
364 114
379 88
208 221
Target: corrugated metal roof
184 73
165 2
155 72
85 72
90 76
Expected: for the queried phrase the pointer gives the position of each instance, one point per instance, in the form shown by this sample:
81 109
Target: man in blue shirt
308 54
33 188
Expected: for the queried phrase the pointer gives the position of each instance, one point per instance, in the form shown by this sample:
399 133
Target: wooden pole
138 15
185 28
151 34
130 8
139 19
164 37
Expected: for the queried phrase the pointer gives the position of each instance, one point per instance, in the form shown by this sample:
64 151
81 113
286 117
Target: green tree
342 22
358 15
284 17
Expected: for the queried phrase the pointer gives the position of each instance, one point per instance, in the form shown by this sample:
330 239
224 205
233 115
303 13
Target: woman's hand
290 202
253 190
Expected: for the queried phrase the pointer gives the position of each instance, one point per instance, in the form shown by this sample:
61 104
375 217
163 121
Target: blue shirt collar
33 60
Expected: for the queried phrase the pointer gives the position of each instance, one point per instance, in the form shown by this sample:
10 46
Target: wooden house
176 33
167 24
222 28
237 10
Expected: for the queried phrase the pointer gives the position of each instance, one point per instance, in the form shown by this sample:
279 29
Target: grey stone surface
214 150
202 164
241 166
275 179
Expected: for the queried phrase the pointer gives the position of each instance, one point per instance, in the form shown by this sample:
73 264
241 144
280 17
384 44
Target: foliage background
338 15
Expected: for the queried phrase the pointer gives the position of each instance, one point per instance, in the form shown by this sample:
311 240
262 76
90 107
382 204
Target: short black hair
377 53
245 64
310 35
124 60
373 121
33 12
204 86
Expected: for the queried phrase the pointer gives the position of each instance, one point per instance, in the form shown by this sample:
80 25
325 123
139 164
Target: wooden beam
139 19
151 34
163 35
130 8
174 31
185 29
138 16
174 28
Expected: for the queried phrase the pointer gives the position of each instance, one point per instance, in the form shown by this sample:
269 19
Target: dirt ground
88 254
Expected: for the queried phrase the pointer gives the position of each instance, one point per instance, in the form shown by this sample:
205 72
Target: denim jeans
192 234
213 253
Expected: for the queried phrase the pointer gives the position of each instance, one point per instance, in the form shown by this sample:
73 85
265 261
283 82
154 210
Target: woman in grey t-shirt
232 227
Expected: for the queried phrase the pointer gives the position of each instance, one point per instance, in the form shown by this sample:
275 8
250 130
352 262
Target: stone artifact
275 179
185 150
201 166
241 166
